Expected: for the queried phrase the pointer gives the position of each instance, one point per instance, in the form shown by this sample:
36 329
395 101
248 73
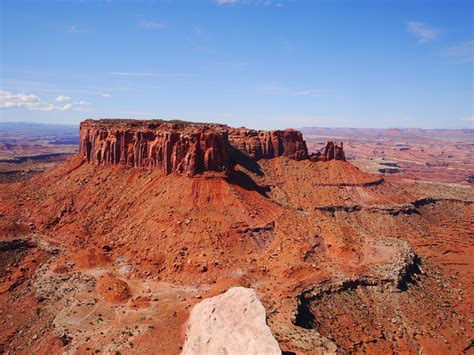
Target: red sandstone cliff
174 147
190 148
269 144
331 151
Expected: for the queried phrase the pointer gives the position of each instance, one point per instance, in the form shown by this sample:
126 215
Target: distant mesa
188 148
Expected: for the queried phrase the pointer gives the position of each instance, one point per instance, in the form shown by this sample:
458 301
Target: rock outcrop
269 144
231 323
175 147
182 147
331 151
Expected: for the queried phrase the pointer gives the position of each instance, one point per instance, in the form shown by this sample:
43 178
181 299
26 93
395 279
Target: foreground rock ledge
231 323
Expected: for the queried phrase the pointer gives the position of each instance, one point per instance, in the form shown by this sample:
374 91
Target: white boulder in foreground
231 323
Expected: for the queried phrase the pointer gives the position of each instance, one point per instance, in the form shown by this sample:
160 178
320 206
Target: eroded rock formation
175 147
190 148
332 151
269 144
182 147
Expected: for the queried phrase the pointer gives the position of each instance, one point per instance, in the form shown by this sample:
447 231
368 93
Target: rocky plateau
183 148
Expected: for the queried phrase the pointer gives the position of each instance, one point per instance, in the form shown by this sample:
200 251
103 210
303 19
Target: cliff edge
188 148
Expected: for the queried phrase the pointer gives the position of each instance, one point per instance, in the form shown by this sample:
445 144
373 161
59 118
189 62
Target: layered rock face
190 148
331 151
175 147
182 147
269 144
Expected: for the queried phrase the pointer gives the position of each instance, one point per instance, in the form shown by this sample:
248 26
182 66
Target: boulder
231 323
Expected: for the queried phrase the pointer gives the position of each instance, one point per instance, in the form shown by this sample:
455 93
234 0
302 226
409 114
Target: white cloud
61 98
149 74
31 102
277 89
468 118
150 24
108 96
72 29
460 53
422 32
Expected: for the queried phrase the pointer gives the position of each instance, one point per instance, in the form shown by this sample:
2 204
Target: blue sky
255 63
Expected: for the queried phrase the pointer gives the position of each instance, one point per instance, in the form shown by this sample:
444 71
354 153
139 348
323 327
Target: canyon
113 249
443 155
